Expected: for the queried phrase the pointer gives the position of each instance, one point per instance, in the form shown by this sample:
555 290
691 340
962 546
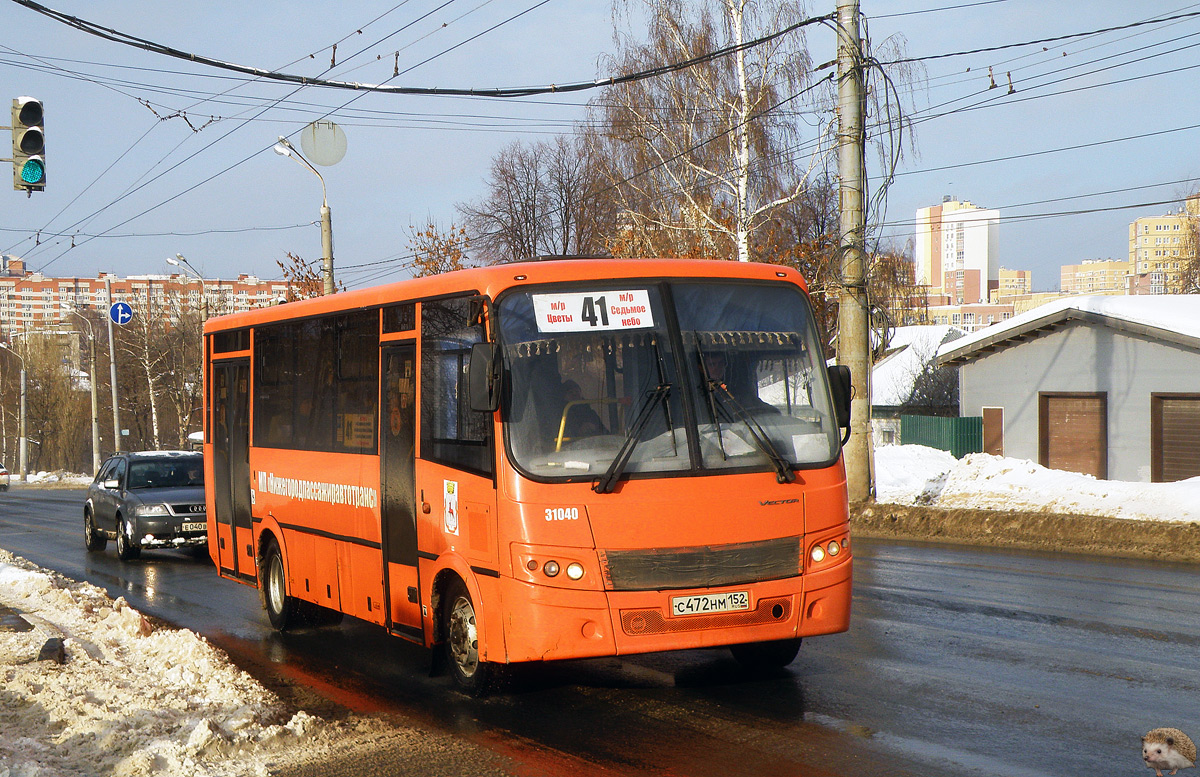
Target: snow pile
65 478
129 699
915 474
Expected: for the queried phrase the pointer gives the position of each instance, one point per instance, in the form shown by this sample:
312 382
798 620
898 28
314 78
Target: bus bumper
543 623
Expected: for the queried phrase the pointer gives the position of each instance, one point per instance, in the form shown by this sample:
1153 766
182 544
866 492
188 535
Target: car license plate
194 527
707 604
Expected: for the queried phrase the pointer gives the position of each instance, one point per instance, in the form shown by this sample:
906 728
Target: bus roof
493 279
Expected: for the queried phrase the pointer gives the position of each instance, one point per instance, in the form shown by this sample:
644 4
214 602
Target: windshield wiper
718 396
608 480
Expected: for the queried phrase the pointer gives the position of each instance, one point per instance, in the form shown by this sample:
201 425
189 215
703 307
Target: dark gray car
150 499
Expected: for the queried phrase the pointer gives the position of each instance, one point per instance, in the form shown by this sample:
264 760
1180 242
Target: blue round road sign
120 313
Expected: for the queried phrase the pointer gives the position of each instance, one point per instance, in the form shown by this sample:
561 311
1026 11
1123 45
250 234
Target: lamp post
184 265
285 148
93 380
24 447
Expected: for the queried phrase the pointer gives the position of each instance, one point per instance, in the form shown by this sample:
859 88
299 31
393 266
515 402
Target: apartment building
1159 247
955 252
1095 276
32 301
970 317
1012 283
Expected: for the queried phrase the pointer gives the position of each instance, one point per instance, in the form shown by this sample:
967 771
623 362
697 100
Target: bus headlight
834 548
574 571
818 554
550 568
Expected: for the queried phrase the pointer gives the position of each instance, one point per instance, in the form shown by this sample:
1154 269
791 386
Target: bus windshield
732 379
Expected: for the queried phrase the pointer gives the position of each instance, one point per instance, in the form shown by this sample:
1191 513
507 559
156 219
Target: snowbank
915 474
129 699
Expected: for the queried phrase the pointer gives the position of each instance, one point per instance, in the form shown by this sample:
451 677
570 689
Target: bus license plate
194 527
707 604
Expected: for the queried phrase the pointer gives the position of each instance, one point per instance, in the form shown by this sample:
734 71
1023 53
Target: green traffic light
33 171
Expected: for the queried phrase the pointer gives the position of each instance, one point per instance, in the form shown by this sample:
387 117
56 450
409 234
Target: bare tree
704 156
543 197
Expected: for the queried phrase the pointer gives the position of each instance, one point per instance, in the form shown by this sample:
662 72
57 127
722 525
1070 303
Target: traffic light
28 145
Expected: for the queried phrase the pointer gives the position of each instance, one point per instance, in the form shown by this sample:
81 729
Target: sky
149 156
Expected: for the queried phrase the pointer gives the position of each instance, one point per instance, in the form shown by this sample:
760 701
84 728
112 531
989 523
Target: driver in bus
581 419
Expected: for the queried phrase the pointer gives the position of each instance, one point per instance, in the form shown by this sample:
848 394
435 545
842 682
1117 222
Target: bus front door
399 504
231 469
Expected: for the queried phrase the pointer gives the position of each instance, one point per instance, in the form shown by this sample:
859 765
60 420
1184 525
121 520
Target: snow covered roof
909 350
1174 318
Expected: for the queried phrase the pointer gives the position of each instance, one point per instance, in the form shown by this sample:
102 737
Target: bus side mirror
484 378
839 382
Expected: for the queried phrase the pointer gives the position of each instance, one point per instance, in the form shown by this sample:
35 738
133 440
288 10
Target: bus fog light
550 568
834 548
575 571
818 554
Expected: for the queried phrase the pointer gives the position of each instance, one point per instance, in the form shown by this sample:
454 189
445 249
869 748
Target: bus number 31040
562 513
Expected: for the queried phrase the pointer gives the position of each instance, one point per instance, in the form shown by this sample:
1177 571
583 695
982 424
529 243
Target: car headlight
151 510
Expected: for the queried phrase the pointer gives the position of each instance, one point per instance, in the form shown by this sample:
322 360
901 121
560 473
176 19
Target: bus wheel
461 642
126 549
758 656
93 539
281 608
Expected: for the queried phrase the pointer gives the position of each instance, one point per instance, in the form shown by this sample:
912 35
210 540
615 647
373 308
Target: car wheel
282 610
760 656
460 633
93 539
127 550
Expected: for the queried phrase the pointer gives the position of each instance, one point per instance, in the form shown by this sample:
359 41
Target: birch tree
705 156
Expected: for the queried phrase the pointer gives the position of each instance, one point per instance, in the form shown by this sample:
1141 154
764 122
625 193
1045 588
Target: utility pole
112 371
853 310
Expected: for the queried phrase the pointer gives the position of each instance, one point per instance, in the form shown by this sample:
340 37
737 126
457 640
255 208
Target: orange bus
537 461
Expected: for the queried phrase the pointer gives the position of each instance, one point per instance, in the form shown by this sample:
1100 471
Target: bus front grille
700 567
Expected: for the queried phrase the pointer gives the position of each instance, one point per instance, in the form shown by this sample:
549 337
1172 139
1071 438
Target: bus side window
451 433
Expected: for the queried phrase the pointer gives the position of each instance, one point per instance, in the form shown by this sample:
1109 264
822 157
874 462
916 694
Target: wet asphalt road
959 661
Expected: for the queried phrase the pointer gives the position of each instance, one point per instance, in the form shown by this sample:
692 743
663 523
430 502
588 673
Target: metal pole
853 343
327 246
24 440
112 371
95 407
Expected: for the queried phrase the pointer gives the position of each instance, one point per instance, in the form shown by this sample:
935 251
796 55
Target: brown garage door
1073 432
1174 437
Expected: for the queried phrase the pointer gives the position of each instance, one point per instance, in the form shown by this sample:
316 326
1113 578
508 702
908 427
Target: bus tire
92 538
127 550
460 643
282 610
760 656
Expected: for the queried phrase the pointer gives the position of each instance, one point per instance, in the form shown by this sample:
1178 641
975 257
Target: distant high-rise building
956 251
1012 283
1095 276
31 301
1159 247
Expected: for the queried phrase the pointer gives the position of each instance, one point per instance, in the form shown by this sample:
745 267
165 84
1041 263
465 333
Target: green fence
959 436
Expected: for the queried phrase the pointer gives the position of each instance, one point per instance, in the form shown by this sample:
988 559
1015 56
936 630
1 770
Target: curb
1054 532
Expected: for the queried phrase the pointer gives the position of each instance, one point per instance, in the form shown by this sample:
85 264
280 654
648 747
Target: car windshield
597 382
166 473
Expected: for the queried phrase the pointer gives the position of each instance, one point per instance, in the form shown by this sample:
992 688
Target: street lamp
184 265
93 380
285 148
24 456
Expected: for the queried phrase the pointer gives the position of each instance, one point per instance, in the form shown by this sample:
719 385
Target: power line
158 48
1039 41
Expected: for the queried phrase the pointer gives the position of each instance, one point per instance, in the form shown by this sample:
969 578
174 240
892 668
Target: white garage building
1108 386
